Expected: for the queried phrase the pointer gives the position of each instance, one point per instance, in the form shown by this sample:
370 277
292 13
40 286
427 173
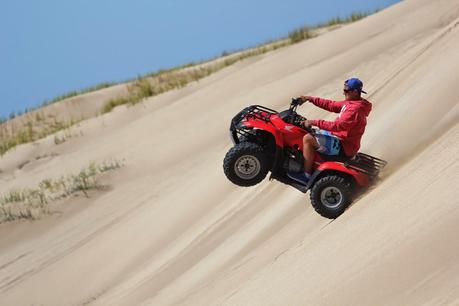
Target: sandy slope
173 230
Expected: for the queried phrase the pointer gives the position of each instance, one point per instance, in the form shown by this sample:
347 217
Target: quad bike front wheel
331 195
246 164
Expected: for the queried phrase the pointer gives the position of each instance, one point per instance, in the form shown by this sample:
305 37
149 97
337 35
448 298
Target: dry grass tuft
32 203
35 128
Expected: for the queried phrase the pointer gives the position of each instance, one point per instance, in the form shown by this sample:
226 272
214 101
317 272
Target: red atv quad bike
265 140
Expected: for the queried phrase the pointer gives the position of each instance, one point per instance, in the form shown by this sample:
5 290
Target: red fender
263 125
359 177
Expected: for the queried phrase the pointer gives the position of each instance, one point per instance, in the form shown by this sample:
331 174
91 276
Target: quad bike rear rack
366 164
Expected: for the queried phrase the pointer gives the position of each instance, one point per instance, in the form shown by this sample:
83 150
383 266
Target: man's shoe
300 177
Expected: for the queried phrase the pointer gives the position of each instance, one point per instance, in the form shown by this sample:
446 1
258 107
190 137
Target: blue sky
51 47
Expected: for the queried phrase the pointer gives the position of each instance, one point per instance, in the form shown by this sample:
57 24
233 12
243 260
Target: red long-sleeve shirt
350 124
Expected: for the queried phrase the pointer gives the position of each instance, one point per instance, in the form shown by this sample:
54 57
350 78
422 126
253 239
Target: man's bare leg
309 146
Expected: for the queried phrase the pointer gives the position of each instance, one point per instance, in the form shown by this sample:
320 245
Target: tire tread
331 180
238 150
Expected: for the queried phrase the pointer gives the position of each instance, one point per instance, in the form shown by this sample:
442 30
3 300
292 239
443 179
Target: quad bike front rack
253 111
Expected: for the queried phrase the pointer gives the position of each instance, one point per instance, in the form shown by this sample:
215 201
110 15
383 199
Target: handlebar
294 116
296 101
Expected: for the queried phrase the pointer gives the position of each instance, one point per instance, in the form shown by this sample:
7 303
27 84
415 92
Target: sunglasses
347 90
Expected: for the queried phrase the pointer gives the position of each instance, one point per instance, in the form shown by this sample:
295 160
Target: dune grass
74 93
35 128
165 80
307 32
70 94
32 203
159 82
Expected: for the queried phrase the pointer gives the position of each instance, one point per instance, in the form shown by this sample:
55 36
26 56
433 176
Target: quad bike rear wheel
331 195
246 164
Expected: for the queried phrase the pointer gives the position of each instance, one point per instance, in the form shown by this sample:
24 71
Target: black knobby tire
246 164
331 195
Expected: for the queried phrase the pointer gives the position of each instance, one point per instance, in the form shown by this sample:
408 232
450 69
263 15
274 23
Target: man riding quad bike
304 157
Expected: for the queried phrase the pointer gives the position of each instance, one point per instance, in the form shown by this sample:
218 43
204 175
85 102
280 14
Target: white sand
174 230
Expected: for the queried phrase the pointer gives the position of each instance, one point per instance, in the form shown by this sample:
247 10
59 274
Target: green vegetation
300 34
351 18
165 80
30 131
307 32
70 94
74 93
34 202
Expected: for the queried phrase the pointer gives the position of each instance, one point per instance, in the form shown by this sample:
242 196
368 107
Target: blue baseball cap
354 84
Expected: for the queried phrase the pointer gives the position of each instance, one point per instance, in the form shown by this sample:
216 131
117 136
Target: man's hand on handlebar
306 124
301 99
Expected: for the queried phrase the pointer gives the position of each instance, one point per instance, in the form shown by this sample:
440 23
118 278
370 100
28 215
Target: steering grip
299 119
309 129
297 101
294 117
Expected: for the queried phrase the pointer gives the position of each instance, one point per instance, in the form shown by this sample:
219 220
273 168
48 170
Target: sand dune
173 230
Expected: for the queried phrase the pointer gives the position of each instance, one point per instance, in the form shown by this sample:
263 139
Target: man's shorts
329 144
